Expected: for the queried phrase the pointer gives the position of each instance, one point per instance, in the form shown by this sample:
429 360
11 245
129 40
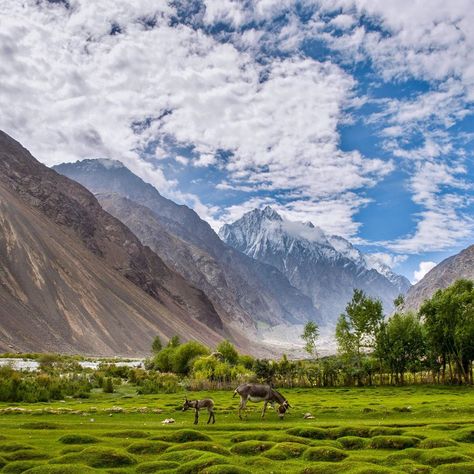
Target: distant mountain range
253 295
325 268
443 275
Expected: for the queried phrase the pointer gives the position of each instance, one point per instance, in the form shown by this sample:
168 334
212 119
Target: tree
184 355
228 351
309 336
356 329
449 322
400 344
399 301
156 345
108 385
174 342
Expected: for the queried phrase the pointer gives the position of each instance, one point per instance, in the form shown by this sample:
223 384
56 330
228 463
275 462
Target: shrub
158 383
78 439
108 386
181 361
324 454
392 442
252 447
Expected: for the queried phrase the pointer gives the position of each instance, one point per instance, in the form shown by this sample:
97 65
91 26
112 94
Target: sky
356 115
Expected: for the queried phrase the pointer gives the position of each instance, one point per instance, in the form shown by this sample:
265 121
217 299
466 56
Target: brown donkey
206 403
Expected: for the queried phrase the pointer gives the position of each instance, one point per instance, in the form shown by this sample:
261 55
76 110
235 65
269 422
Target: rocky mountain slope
325 268
73 278
443 275
251 290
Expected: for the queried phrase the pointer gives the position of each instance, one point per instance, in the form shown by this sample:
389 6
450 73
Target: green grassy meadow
417 429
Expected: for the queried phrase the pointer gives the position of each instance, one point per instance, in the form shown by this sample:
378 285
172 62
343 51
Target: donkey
207 403
258 393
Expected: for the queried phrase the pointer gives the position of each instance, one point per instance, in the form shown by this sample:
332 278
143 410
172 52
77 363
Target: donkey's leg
210 415
243 403
264 408
213 417
196 416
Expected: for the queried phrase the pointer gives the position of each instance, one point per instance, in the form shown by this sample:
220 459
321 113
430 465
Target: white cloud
389 259
423 269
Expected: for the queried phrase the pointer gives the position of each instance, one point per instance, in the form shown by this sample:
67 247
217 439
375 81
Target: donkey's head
187 404
283 408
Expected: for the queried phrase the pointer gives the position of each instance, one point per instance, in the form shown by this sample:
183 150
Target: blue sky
354 114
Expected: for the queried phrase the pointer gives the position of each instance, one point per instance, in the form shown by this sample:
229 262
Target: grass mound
225 469
2 462
197 466
283 438
325 453
308 432
148 447
444 427
438 456
182 456
283 451
183 436
353 442
431 443
97 457
63 469
393 442
384 431
323 468
465 435
342 431
249 448
259 436
78 439
463 468
26 454
156 466
128 434
200 446
18 467
40 425
12 447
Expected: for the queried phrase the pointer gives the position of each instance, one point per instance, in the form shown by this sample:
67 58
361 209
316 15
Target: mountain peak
269 213
107 163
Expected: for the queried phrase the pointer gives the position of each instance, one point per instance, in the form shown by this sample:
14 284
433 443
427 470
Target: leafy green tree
184 355
310 336
449 320
356 330
163 361
108 386
264 370
156 345
399 301
228 351
400 344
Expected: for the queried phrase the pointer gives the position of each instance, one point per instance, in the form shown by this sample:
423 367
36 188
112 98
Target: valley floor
418 429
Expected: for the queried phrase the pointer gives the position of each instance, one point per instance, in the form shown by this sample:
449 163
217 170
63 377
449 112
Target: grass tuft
200 446
431 443
462 468
156 466
127 434
40 425
26 454
353 442
183 436
148 447
78 439
18 467
393 442
324 454
465 435
225 469
197 466
64 469
12 447
249 448
283 451
259 436
97 457
343 431
308 432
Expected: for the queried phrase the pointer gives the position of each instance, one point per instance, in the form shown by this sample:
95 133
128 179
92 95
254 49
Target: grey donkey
197 405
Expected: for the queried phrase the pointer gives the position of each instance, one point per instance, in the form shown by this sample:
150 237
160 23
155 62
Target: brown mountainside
443 275
73 278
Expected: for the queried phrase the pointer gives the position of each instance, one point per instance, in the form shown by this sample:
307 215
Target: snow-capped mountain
325 268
